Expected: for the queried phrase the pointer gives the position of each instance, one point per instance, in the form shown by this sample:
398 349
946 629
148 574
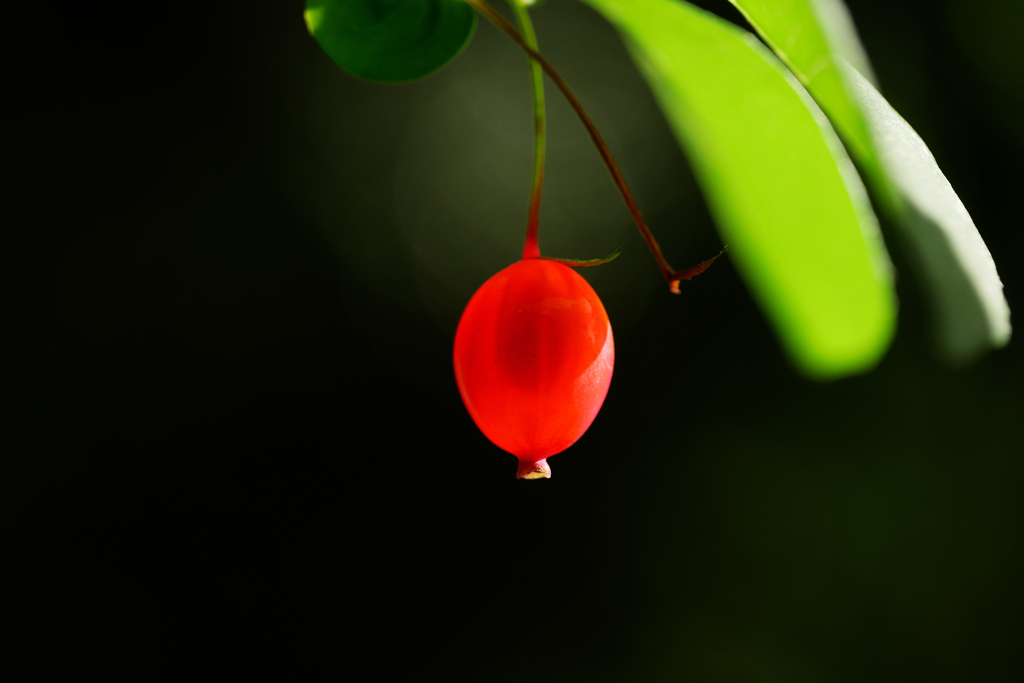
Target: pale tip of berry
534 470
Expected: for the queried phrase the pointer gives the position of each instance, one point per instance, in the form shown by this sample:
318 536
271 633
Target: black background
223 440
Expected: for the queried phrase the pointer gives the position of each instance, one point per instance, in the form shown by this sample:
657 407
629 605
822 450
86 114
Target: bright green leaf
802 33
785 195
816 38
390 41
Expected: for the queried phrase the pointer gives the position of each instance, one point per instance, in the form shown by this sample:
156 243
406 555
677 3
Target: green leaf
390 41
817 40
786 197
796 31
971 312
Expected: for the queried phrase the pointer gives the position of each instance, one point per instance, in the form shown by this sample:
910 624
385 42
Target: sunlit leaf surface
802 33
390 41
785 195
961 277
817 40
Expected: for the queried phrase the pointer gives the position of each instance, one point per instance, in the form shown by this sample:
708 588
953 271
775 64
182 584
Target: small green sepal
577 263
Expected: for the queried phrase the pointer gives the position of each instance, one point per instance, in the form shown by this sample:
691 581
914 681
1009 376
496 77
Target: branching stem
672 276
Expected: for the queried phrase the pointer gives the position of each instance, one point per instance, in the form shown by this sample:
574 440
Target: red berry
533 360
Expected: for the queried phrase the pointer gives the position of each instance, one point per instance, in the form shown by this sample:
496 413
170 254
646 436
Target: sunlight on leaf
972 313
390 41
785 196
814 37
796 31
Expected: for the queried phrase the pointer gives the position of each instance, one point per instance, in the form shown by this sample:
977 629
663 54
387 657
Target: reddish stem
693 272
671 275
531 248
495 18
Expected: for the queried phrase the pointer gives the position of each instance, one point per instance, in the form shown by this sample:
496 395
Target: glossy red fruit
533 360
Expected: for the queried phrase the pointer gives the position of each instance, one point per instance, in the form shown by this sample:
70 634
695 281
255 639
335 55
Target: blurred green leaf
816 38
785 195
390 41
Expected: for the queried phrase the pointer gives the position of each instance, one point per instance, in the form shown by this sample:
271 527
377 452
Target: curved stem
491 15
531 248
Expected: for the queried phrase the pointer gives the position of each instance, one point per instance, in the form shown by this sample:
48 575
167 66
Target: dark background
231 430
